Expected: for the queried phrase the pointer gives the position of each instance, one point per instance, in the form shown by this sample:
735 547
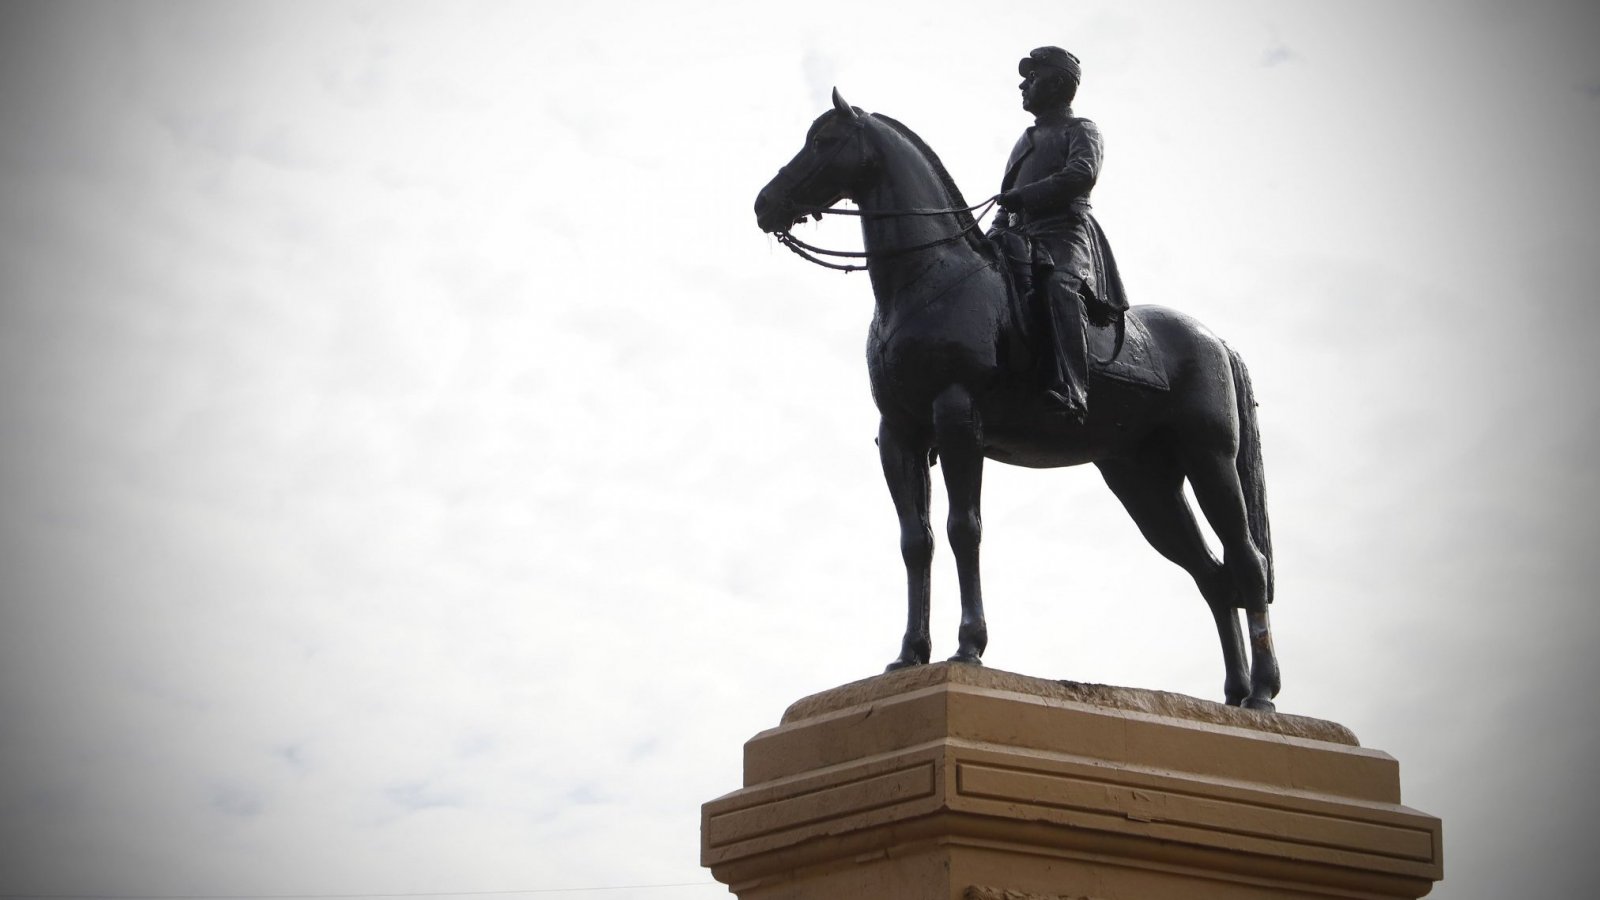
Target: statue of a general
1056 249
955 348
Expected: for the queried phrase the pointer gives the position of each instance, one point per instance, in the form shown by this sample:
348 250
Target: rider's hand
1011 200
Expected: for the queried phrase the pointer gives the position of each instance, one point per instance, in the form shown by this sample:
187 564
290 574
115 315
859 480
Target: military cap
1050 56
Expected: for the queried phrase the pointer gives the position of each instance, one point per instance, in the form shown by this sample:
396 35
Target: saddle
1121 348
1139 359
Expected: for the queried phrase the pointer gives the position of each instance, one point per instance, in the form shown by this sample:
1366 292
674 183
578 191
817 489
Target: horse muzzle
774 215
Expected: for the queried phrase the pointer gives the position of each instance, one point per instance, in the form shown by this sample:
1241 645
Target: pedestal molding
921 794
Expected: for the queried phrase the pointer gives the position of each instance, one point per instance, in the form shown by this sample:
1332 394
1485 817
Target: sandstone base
951 782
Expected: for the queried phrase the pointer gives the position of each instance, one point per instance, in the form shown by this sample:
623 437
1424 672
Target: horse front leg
958 434
905 469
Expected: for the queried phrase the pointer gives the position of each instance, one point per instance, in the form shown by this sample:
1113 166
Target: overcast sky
420 474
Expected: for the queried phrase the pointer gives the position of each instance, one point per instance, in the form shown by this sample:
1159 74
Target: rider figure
1046 229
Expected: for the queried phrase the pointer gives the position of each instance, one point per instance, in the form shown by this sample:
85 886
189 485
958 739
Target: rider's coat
1054 167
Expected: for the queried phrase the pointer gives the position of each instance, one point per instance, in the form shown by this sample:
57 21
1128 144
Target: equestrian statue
1019 346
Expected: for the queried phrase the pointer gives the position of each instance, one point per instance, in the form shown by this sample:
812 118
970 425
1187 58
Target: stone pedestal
952 782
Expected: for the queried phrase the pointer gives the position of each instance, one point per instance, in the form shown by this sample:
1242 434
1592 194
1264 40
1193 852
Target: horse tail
1252 477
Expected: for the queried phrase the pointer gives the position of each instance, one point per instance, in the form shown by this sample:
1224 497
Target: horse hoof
902 663
967 657
1258 703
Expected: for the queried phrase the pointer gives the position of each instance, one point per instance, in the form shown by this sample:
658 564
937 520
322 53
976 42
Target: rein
805 250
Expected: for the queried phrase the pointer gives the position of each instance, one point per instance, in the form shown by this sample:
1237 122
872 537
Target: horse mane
965 219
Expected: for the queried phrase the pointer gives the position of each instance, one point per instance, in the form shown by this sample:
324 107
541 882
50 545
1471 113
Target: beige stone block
952 781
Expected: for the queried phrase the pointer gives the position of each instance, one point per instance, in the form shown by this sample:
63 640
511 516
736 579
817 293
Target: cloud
417 464
1278 54
236 801
821 72
421 795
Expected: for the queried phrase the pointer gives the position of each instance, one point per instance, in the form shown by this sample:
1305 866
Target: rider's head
1049 78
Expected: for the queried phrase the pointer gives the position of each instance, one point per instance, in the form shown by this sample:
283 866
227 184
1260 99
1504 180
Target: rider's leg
1019 262
1068 359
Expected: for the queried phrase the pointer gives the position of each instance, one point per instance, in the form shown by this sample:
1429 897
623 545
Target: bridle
789 184
805 250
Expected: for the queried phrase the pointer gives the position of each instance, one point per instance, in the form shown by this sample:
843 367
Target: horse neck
909 181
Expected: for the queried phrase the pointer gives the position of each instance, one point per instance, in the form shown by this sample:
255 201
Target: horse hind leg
1151 489
1214 475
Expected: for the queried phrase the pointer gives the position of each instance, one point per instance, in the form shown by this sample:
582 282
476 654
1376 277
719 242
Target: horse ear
841 106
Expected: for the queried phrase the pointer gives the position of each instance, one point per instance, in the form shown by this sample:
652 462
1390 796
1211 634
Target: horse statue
947 352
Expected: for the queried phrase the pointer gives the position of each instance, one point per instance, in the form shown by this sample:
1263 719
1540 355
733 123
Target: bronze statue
955 379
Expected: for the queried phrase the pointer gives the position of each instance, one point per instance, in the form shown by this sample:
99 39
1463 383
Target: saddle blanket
1138 362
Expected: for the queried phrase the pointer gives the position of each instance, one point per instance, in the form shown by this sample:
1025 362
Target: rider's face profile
1043 87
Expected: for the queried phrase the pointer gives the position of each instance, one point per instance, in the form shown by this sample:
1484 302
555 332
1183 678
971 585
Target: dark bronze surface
956 380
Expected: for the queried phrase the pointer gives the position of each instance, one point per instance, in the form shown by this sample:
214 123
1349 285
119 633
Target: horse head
832 166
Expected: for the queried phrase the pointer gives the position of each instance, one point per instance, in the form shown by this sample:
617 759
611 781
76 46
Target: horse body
949 377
